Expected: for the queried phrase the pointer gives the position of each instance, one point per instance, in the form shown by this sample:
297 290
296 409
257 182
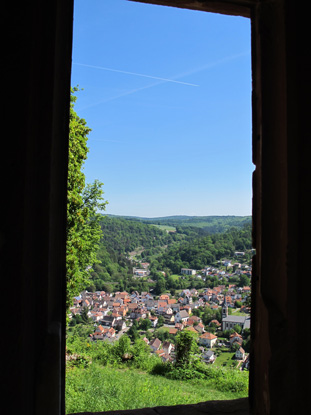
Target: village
114 314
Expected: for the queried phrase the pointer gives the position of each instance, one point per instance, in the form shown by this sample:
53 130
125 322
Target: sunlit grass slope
100 388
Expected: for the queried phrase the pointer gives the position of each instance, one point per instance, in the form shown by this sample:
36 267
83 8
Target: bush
161 369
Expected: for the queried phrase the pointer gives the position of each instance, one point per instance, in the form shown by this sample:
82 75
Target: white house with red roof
208 339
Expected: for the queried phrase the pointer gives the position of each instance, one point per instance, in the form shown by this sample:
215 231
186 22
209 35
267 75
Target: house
96 315
155 344
214 323
166 358
140 272
105 311
100 328
200 328
186 293
146 340
179 326
123 294
169 311
109 321
194 319
150 305
187 271
188 308
163 307
110 333
240 354
169 318
208 339
209 356
116 315
74 311
181 316
154 321
120 325
86 303
139 312
132 306
235 338
98 335
175 307
122 311
77 301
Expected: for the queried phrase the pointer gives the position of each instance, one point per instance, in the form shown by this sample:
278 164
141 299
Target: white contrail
122 94
135 74
212 64
161 80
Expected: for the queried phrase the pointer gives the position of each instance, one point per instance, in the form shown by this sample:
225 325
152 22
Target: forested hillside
124 236
211 224
204 250
186 247
120 237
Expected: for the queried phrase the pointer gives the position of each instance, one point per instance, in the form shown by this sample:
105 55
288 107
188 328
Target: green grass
175 277
99 388
237 312
165 227
224 359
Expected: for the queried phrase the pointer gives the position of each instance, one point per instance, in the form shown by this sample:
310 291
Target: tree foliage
84 201
204 250
186 349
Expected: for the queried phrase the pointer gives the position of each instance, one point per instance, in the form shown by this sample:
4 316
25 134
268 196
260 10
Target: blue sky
167 94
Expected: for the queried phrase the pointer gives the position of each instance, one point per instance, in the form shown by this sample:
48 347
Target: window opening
167 94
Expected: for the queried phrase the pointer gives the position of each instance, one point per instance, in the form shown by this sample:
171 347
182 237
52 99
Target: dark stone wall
280 191
33 205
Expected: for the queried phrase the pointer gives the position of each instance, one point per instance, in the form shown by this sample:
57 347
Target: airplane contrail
123 94
160 80
135 74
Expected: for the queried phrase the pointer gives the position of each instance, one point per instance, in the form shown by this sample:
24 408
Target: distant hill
210 224
195 242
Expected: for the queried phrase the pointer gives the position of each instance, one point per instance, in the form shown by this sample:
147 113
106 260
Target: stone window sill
231 407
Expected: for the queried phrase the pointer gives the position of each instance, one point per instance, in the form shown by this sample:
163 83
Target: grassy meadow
98 388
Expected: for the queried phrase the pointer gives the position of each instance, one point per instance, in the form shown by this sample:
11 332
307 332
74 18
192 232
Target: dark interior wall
32 230
280 132
33 205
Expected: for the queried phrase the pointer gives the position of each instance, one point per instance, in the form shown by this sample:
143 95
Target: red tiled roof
208 335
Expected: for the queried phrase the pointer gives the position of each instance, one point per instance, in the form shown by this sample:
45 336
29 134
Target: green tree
85 319
186 349
160 321
237 328
244 281
160 286
123 348
132 333
144 324
84 202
